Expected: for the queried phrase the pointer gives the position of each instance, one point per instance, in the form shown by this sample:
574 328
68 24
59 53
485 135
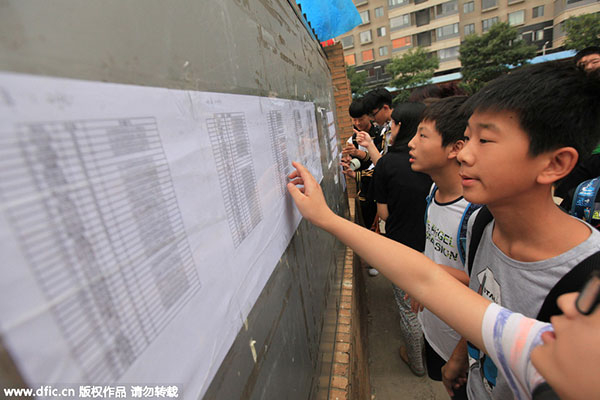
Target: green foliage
582 31
485 57
357 81
402 97
413 68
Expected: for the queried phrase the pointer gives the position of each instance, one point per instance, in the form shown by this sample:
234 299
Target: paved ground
391 379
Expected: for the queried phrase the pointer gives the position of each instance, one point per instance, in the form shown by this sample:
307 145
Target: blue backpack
586 204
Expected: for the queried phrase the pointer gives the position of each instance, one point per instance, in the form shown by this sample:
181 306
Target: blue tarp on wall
330 18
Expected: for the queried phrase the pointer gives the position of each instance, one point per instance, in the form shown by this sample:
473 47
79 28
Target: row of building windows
402 21
397 3
516 18
469 7
364 37
391 3
448 7
423 17
444 32
366 55
369 55
365 15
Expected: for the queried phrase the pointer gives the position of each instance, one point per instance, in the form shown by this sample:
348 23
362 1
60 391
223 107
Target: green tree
485 57
583 31
413 68
357 81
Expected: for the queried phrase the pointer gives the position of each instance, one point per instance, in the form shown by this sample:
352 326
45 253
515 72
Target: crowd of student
456 197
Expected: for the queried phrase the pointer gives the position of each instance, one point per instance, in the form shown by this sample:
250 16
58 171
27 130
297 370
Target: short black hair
425 92
377 98
586 52
408 115
450 120
432 91
357 108
557 105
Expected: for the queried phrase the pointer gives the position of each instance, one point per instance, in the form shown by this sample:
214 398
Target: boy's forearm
458 274
375 249
420 277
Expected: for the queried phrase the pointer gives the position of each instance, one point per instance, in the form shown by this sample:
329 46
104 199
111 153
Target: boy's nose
464 155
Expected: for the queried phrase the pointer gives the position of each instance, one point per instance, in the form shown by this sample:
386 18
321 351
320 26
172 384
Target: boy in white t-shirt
433 151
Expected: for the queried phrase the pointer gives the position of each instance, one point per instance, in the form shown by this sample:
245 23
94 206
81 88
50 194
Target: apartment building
368 46
564 9
539 22
392 27
432 24
532 18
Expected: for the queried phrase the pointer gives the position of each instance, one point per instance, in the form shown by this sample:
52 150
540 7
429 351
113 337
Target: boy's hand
309 198
454 372
363 138
349 173
350 150
415 306
346 168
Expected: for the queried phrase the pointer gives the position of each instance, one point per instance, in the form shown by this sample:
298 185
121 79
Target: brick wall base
350 373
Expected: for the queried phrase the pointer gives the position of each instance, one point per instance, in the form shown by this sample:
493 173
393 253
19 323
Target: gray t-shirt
518 286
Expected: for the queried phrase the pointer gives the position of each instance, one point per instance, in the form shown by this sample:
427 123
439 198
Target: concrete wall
256 47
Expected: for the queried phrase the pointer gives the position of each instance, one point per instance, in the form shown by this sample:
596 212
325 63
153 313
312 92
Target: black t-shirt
404 191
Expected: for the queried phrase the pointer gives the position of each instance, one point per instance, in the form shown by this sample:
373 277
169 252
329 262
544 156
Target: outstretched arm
421 278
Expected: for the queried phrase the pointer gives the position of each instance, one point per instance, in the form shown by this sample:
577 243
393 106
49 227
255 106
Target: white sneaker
373 271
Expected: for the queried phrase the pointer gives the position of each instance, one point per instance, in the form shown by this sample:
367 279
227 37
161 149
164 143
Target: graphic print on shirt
442 242
489 287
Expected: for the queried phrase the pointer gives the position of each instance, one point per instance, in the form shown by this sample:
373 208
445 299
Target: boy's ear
560 163
455 148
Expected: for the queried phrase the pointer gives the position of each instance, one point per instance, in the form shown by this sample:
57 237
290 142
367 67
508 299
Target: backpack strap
429 199
483 218
573 281
584 199
462 230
